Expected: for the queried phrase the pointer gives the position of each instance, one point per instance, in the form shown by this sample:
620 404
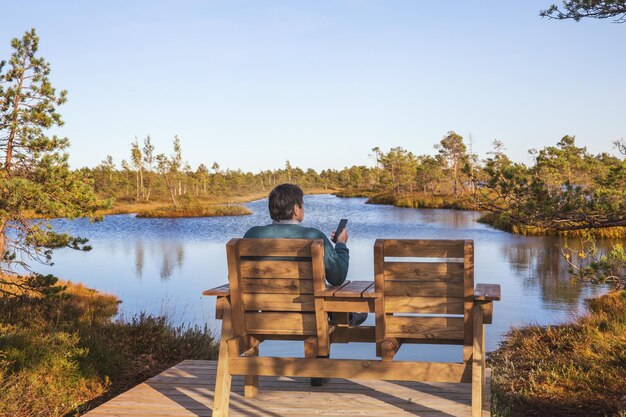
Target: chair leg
310 347
477 363
223 379
389 348
251 382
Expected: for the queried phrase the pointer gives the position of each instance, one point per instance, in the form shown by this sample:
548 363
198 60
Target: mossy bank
574 369
61 355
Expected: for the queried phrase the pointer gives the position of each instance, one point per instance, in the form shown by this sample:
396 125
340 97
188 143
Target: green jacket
336 259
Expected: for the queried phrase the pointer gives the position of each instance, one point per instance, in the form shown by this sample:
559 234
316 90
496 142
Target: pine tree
34 171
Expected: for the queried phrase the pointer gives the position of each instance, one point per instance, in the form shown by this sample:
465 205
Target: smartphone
342 225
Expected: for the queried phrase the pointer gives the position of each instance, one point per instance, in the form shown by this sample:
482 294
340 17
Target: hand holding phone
340 227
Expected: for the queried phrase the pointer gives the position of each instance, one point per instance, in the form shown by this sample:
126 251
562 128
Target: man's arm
336 261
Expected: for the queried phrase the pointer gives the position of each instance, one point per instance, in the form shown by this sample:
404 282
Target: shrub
59 352
575 369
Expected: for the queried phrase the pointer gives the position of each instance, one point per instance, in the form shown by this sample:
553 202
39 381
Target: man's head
286 202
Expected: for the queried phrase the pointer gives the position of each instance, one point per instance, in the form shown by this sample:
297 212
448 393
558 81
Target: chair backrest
272 285
431 279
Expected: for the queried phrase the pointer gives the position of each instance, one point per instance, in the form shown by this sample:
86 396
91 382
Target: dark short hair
282 199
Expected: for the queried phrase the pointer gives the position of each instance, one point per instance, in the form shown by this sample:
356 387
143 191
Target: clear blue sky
250 84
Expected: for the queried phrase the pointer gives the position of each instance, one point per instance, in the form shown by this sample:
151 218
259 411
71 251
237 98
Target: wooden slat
330 291
351 368
279 302
487 292
425 248
234 279
370 292
275 247
427 271
424 305
355 305
281 323
277 286
424 288
221 291
276 269
321 315
354 289
468 305
426 327
379 287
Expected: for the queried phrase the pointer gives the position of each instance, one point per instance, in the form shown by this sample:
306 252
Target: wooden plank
487 292
221 291
349 305
379 287
468 305
279 302
477 362
370 292
299 248
424 305
223 378
234 279
277 286
330 291
427 271
451 289
219 307
281 323
354 289
276 269
352 368
321 314
424 248
425 327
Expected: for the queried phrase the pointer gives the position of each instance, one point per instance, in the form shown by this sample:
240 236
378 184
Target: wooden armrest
487 292
221 291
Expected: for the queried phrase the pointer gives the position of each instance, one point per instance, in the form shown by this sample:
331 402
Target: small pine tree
34 173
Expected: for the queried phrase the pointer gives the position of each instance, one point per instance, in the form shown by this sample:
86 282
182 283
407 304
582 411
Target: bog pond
162 266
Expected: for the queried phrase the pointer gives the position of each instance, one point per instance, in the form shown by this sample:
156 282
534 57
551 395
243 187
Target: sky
251 84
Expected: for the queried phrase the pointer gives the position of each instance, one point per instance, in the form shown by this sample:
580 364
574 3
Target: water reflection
146 261
139 258
538 261
170 255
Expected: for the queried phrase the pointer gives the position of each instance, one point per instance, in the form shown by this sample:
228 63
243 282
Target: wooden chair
277 291
438 285
270 296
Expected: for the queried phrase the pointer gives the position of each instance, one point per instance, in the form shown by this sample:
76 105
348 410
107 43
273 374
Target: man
286 206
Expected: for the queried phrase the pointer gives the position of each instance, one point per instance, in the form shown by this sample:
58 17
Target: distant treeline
566 188
148 176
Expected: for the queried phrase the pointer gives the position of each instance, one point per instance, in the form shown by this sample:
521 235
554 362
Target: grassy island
574 369
66 353
209 211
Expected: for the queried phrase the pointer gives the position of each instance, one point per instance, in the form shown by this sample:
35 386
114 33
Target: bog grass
208 211
61 355
574 369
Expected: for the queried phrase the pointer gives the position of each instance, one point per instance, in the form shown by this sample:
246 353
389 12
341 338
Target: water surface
163 265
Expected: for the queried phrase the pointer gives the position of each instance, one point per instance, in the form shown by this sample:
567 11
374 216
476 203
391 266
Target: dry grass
204 203
210 211
60 354
575 369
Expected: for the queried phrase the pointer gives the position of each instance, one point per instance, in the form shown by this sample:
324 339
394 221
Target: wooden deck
187 390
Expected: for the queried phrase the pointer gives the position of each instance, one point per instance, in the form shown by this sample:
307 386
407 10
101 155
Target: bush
575 369
60 352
